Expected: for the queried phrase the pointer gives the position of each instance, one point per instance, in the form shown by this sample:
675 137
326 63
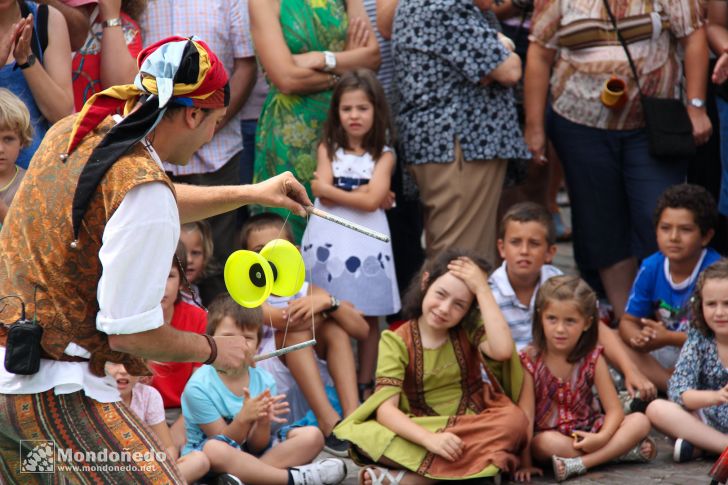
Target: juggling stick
346 223
284 350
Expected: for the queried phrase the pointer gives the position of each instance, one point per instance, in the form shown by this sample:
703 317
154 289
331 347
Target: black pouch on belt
22 348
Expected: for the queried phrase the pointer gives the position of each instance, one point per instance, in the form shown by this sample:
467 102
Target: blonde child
146 403
229 415
16 133
352 180
563 365
197 239
322 379
698 389
169 378
432 417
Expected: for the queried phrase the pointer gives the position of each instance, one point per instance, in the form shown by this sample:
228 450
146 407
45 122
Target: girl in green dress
432 416
303 46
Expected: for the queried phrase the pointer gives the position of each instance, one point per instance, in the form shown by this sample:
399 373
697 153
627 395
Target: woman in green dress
303 46
432 416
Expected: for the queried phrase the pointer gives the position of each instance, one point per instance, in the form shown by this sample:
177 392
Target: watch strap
29 62
115 22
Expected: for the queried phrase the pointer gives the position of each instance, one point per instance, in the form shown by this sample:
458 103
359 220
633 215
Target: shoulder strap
624 45
41 27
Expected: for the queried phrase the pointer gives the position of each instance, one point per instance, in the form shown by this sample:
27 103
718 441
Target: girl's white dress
350 265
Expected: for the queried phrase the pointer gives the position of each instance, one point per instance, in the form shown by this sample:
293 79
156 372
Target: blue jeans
723 115
613 184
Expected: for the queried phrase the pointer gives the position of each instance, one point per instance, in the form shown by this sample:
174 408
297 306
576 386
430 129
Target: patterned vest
35 252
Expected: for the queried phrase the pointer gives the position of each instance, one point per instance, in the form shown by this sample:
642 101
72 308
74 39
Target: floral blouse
699 367
442 49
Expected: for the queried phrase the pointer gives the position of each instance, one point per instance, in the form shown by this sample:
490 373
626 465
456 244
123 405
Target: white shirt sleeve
136 254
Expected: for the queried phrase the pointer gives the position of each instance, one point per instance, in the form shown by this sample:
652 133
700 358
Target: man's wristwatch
696 103
329 61
115 22
335 303
29 62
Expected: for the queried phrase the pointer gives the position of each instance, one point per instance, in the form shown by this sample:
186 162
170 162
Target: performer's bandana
175 70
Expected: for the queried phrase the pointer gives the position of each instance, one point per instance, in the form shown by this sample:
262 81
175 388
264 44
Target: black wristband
213 350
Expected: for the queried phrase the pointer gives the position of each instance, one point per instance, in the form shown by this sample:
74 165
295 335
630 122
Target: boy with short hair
228 415
656 318
16 133
320 382
527 244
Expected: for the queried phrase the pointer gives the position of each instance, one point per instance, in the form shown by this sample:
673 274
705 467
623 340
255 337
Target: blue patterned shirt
699 367
442 49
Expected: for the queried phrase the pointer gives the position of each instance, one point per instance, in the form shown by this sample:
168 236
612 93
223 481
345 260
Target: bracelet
115 22
213 350
334 304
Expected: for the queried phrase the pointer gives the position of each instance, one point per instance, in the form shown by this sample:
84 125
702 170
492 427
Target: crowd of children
489 372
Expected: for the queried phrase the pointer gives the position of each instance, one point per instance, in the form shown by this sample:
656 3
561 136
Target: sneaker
684 451
335 446
228 479
328 471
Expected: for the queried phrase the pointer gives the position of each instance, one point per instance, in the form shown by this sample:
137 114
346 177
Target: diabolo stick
284 350
346 223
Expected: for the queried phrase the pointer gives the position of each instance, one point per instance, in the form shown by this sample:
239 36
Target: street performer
86 247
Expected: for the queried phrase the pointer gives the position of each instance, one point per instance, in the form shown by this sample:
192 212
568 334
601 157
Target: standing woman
303 46
612 179
108 55
36 66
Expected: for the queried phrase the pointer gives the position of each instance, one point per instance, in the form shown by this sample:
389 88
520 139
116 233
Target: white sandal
572 467
383 474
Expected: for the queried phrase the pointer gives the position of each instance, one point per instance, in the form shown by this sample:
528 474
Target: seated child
571 428
698 389
229 415
527 244
170 378
432 416
311 379
656 319
146 403
197 239
16 133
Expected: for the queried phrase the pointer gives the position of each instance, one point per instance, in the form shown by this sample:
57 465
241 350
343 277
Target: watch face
696 102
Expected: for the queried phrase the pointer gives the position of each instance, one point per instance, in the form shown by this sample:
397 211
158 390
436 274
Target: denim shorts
613 185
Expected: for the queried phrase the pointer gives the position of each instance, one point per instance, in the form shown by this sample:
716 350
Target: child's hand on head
254 408
475 278
446 445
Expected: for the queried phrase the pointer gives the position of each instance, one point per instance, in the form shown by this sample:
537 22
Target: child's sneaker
228 479
328 471
684 451
335 446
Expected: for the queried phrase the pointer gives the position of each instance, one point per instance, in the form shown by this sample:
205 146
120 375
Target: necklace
3 189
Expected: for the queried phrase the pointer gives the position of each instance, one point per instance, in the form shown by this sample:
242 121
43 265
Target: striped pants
72 439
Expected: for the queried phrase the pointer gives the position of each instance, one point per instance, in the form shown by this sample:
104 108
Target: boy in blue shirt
656 318
228 415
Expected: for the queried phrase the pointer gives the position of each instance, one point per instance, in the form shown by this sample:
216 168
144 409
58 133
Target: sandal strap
572 467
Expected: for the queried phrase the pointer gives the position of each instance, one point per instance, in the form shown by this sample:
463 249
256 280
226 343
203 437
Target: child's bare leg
673 420
548 443
634 428
652 369
300 447
178 433
193 466
409 478
336 349
368 354
226 459
617 280
304 369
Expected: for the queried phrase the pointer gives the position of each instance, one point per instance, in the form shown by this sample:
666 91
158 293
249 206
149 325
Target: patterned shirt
699 367
518 315
224 26
442 49
562 405
589 53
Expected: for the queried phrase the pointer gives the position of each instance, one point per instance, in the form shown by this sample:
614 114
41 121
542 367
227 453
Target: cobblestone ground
660 471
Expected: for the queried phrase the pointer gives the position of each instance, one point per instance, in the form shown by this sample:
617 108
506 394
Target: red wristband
213 350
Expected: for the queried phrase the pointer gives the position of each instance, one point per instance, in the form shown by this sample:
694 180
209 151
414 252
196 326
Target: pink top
562 405
146 402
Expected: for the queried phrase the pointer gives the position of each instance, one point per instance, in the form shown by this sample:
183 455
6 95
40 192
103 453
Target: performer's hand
283 191
447 445
233 353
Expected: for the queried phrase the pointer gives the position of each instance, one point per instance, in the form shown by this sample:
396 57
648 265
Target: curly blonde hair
14 116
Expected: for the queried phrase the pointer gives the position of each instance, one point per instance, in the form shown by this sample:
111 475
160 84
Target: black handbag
668 126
